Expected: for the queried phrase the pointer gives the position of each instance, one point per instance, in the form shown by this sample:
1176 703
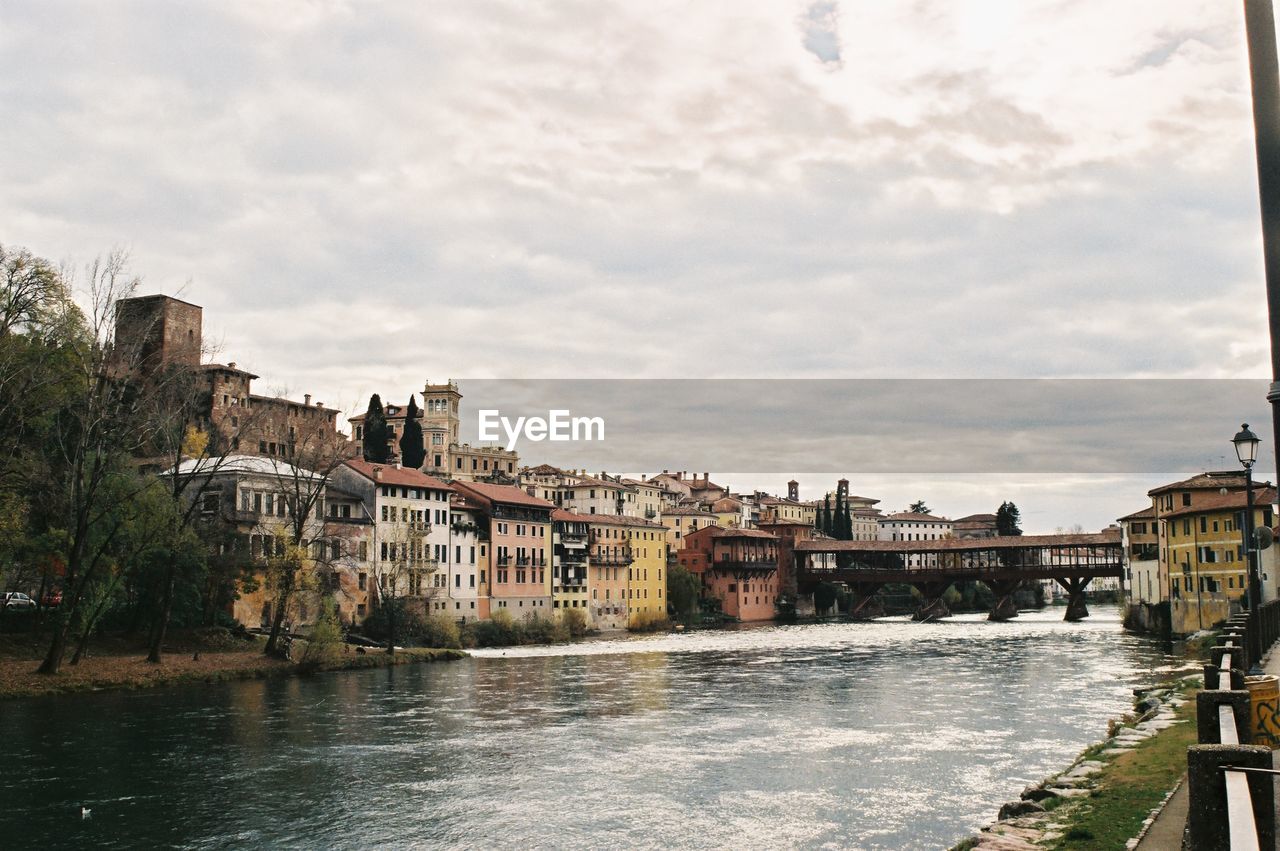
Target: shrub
540 630
324 645
440 630
499 631
648 622
575 620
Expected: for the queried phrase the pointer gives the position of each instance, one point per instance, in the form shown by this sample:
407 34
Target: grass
1131 785
118 664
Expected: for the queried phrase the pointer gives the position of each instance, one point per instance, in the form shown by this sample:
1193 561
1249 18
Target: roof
570 516
915 517
1149 511
1107 536
260 465
976 518
1262 497
620 520
542 470
640 483
1212 480
226 367
509 494
764 523
685 511
392 474
717 532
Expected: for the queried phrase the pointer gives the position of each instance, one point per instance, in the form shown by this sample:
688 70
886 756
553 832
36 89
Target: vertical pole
1264 82
1255 584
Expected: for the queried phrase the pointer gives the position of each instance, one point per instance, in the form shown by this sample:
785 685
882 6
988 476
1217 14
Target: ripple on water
882 735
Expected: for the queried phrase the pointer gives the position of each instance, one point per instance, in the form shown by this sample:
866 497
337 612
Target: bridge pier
862 595
932 607
1004 608
1074 586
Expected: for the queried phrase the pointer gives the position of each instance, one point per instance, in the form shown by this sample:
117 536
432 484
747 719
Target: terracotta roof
976 518
769 523
717 532
1149 511
916 517
570 516
619 520
1262 497
1212 480
501 493
1107 536
390 474
686 511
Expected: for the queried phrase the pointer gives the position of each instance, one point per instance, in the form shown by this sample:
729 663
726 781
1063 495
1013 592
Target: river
873 735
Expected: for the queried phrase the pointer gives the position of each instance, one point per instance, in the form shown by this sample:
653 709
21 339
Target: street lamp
1246 443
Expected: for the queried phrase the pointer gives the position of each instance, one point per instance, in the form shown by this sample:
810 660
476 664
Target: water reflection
889 735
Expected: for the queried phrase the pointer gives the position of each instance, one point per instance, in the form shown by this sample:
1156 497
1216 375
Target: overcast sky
364 196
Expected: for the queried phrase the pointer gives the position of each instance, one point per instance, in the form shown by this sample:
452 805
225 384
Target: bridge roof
1007 542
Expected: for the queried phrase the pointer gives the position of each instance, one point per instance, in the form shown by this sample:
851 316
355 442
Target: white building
410 513
914 526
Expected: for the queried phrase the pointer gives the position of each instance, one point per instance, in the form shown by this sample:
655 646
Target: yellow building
1202 550
637 549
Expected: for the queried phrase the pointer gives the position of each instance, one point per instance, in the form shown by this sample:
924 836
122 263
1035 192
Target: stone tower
793 490
165 330
440 410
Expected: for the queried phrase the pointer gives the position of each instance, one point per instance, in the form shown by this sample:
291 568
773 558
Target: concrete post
1207 703
1236 654
1213 680
1207 817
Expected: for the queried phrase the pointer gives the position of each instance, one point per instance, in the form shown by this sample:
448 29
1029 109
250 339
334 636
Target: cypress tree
1008 519
846 525
375 432
826 516
412 450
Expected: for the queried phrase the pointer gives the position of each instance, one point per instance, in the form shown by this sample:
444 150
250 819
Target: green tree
1008 519
825 520
376 433
683 590
918 507
412 450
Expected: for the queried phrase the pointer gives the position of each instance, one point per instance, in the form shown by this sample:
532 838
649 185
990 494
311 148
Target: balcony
622 559
752 565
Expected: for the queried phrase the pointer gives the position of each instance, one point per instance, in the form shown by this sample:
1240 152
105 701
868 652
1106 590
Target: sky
365 196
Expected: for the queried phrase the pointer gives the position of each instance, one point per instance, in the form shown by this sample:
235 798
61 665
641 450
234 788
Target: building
975 526
569 575
915 526
684 520
349 537
469 567
1204 556
520 547
635 548
1145 577
169 333
648 498
250 500
445 457
738 568
409 512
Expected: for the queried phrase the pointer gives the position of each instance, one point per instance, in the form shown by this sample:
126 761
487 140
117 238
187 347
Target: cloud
365 196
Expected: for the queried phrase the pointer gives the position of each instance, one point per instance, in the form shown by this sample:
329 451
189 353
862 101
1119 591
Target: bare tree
108 419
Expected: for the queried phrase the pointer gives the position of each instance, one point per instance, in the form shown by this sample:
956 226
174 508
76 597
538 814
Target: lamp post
1246 443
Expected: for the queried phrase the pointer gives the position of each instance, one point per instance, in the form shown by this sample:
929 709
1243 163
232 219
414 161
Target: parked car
51 599
17 600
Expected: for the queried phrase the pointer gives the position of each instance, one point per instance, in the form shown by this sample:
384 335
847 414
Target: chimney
306 399
232 365
377 472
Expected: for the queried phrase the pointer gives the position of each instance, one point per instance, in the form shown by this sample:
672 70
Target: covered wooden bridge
1002 563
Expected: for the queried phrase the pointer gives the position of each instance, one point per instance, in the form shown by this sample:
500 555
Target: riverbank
193 659
1112 791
